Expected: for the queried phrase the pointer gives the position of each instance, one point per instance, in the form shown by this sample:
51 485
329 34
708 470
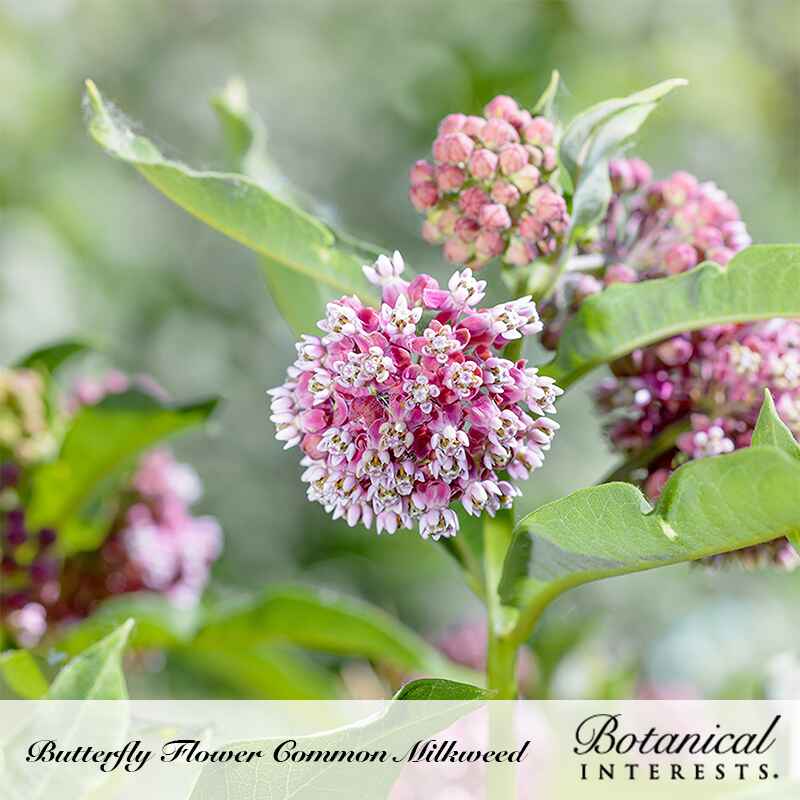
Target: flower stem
501 660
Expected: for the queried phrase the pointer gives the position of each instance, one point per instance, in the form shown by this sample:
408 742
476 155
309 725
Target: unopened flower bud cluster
487 191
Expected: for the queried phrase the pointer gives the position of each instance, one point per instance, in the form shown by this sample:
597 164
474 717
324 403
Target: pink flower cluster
487 194
652 229
155 543
658 228
404 410
710 381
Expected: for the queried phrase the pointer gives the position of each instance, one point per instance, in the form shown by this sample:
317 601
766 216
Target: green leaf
236 205
22 674
590 201
771 430
96 674
158 623
323 621
50 358
395 730
299 297
545 105
101 440
761 282
613 136
710 506
441 689
576 140
271 673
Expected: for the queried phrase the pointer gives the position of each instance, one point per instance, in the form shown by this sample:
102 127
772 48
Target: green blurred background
352 91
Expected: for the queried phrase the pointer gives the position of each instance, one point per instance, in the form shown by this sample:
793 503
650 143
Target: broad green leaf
545 105
761 282
275 672
576 140
326 622
394 730
158 623
22 674
299 297
50 358
710 506
101 439
771 430
236 205
96 674
441 689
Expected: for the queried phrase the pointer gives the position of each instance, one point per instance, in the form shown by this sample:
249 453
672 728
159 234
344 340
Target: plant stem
501 661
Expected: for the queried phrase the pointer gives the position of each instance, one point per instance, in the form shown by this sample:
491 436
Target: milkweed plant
414 405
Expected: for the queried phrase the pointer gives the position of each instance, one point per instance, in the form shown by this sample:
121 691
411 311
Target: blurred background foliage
352 91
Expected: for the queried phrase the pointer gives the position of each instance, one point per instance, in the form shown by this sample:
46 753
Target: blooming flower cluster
487 194
709 382
652 229
403 411
155 543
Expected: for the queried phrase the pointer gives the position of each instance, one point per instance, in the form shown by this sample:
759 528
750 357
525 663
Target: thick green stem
501 651
501 674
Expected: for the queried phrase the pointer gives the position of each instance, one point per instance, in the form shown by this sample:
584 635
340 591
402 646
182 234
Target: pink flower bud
497 133
720 255
519 252
513 158
450 178
539 131
620 273
585 287
457 251
642 174
532 228
467 228
452 123
422 172
482 164
680 257
431 233
621 174
546 204
501 106
656 482
549 158
454 148
423 196
494 216
520 119
707 237
446 220
473 126
535 155
489 244
527 179
676 189
505 193
472 200
675 351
